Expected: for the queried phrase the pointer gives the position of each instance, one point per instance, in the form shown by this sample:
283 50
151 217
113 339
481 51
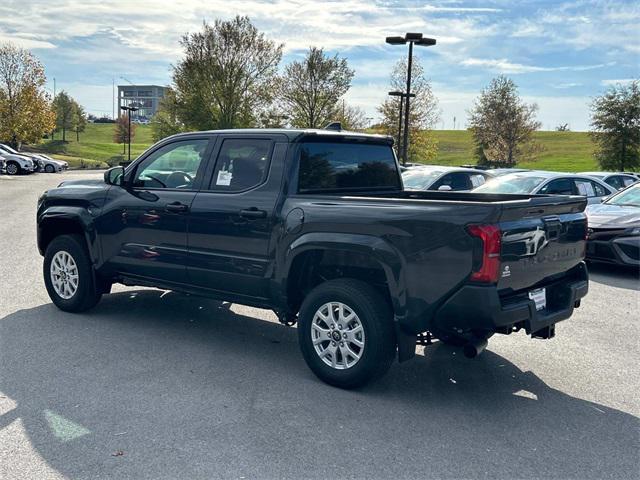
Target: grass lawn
95 148
563 151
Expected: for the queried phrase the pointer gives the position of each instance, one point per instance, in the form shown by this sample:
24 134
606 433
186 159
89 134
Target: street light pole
405 138
402 96
129 110
409 38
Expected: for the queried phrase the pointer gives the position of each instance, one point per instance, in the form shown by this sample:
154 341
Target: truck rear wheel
346 334
68 275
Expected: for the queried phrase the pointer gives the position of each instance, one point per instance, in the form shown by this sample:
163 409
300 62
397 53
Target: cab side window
173 166
616 182
599 190
560 186
242 164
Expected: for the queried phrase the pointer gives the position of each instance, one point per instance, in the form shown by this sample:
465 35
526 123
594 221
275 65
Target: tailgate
540 241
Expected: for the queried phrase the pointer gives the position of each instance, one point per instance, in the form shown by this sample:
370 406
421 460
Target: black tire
377 322
49 169
459 340
86 295
12 168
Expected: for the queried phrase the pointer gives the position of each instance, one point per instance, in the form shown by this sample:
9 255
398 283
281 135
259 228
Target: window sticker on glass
224 178
585 189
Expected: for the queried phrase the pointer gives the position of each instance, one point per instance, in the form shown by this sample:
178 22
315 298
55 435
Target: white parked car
16 163
537 181
41 162
51 165
619 181
436 177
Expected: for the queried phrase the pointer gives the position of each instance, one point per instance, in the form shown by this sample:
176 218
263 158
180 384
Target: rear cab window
242 164
344 166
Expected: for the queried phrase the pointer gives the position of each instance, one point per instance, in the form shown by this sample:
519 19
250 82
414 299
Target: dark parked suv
316 225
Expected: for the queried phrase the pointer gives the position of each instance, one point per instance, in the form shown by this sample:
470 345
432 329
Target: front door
232 218
144 225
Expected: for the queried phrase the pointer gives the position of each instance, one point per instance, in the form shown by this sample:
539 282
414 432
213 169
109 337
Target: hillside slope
564 151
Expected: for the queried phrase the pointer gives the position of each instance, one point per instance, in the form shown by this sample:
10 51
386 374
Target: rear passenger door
232 217
594 192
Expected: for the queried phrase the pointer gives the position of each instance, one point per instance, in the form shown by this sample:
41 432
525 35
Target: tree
615 124
351 117
226 77
65 108
121 132
166 121
563 127
311 88
25 108
80 120
423 111
503 125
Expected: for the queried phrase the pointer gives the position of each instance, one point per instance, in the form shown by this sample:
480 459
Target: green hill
564 151
96 147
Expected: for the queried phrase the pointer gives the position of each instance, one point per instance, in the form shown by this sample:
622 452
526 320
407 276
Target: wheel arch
351 256
57 221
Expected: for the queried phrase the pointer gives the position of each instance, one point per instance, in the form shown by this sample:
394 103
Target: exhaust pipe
475 347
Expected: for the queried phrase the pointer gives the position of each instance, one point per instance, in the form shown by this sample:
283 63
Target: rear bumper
620 250
481 308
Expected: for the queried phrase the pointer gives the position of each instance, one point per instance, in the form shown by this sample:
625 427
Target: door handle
176 207
253 212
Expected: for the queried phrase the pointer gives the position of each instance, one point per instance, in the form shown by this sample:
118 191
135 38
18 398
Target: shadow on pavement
185 388
615 275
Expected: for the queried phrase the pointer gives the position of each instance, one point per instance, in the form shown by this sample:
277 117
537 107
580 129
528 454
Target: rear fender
385 254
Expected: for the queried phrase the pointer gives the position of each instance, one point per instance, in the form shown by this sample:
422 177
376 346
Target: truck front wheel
346 334
67 274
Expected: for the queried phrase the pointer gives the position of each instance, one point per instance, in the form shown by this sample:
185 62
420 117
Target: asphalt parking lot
157 385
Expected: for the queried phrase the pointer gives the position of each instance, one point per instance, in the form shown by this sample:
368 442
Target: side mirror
444 188
114 176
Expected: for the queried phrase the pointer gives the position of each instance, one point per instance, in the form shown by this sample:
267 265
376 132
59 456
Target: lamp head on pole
426 42
396 40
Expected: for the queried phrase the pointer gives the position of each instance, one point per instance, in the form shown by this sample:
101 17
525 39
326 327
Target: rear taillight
489 268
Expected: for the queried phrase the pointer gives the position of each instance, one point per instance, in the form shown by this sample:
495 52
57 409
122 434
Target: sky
560 54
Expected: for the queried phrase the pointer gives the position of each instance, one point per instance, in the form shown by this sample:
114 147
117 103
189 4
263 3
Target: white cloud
505 66
25 41
584 25
562 86
619 81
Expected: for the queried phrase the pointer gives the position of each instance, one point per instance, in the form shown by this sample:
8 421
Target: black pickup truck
315 225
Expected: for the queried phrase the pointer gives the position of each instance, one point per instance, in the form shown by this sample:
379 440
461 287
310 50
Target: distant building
145 97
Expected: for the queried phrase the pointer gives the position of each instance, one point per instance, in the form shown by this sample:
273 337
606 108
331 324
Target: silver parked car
618 181
16 163
41 162
436 177
51 165
538 181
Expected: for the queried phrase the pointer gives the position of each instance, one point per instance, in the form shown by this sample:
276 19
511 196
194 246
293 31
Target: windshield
7 148
630 197
420 180
512 183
